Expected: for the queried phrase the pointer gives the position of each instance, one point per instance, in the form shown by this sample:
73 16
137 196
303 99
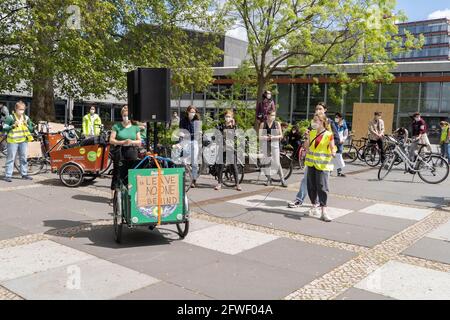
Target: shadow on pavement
439 202
103 235
97 199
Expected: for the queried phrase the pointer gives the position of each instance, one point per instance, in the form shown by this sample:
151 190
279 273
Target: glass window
212 92
370 93
389 94
225 91
105 113
117 114
60 112
430 97
446 97
283 101
410 97
301 98
334 98
199 95
77 113
352 96
317 95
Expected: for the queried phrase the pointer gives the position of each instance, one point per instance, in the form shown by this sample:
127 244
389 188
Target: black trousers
379 142
119 156
317 185
222 166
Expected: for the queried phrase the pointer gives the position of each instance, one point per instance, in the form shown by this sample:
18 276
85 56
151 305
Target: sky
414 9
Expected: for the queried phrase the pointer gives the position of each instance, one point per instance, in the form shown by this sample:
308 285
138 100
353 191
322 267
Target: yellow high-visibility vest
20 133
320 157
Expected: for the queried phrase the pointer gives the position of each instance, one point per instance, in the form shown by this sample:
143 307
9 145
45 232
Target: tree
82 48
292 35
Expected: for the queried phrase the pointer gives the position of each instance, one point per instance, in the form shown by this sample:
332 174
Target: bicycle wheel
387 166
350 153
71 175
372 156
287 165
35 165
228 175
434 169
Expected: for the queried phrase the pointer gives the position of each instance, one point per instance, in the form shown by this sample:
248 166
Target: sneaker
218 187
295 204
268 182
313 211
27 178
238 188
7 179
193 184
341 175
324 216
284 184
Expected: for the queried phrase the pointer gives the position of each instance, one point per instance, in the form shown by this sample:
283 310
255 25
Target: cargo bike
151 193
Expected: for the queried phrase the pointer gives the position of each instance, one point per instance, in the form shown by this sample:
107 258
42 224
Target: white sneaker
324 216
314 211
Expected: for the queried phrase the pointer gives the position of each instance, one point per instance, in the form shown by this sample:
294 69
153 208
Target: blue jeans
190 153
445 150
301 195
12 149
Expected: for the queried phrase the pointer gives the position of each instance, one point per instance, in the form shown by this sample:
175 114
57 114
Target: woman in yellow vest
91 123
445 138
18 127
320 151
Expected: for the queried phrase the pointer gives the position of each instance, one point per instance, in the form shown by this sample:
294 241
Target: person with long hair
125 140
264 108
271 134
228 130
320 152
192 124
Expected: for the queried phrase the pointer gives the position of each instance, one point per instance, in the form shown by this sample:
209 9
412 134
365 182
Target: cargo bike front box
148 198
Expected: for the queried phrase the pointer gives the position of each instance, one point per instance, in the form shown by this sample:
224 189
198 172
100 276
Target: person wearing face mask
419 135
320 152
91 123
191 125
125 140
271 135
376 133
228 131
264 108
321 109
18 127
342 129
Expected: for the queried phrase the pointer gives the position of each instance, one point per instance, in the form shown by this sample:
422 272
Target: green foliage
303 125
292 36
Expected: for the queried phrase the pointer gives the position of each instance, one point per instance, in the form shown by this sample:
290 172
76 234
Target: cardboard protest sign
147 190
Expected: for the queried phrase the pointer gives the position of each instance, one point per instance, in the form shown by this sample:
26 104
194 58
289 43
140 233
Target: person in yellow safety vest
91 123
320 151
18 127
445 139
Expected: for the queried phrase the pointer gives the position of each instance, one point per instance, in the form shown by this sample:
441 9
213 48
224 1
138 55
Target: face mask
92 111
191 115
315 125
337 120
228 119
125 118
272 118
417 118
269 96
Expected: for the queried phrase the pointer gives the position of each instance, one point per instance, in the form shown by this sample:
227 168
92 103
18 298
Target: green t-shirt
125 133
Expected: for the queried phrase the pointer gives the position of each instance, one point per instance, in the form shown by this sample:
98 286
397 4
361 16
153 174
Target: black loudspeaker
149 94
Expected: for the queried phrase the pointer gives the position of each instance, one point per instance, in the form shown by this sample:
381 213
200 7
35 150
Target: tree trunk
43 104
261 87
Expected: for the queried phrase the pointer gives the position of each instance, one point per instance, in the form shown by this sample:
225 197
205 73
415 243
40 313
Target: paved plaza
387 240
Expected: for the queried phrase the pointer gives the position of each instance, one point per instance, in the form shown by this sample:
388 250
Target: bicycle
355 150
427 168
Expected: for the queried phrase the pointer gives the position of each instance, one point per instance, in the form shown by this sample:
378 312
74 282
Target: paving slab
397 211
441 233
359 294
163 291
407 282
376 221
228 239
92 279
7 231
36 257
430 249
236 278
298 256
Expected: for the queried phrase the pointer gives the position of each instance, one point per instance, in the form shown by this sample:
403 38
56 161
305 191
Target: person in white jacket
342 128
